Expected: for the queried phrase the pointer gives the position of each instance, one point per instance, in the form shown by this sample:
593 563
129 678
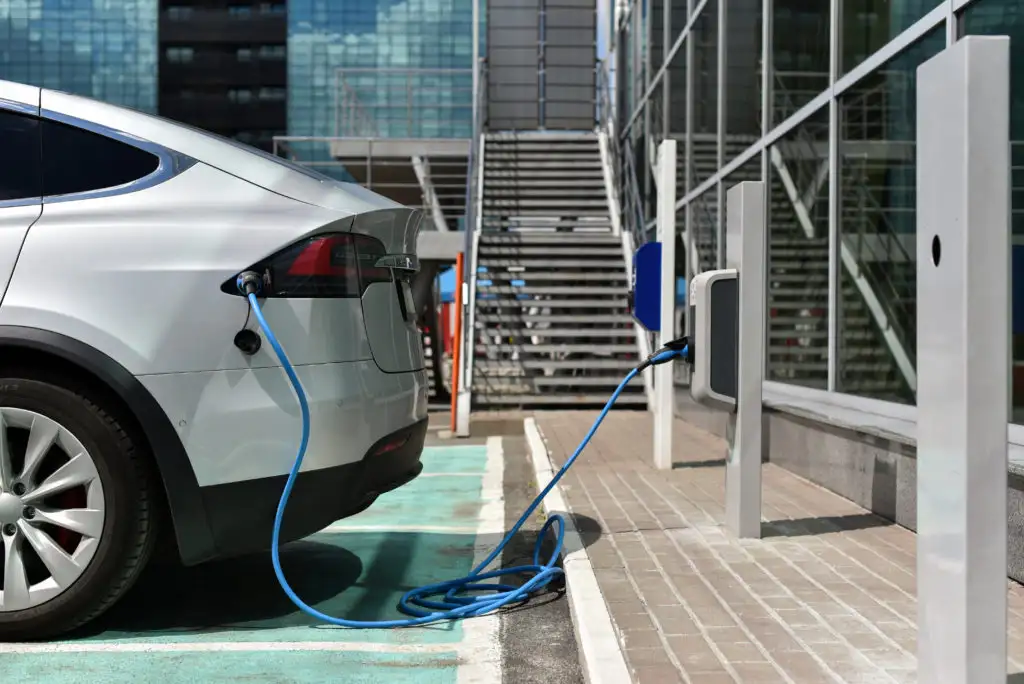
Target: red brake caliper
74 498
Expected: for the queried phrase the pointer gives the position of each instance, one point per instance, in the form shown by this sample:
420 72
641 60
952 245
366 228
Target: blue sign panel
646 291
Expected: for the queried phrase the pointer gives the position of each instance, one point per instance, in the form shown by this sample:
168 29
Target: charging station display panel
714 307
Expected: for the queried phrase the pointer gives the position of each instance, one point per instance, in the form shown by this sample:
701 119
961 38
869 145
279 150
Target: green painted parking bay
267 667
229 621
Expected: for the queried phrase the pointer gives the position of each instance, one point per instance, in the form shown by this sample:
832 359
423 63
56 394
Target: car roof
258 167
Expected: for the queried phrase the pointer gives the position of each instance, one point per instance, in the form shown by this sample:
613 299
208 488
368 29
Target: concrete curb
601 657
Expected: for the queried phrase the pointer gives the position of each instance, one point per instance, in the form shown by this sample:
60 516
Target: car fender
184 499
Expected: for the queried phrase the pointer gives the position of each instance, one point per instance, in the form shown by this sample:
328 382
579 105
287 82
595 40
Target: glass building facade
819 103
380 68
102 49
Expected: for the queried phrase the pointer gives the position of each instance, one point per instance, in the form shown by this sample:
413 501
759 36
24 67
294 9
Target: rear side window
76 160
20 167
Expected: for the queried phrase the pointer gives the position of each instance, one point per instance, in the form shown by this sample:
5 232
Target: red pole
456 356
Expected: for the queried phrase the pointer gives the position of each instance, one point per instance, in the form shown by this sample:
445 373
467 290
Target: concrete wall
874 472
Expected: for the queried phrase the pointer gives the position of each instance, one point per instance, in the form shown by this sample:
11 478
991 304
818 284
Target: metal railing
471 222
625 179
403 103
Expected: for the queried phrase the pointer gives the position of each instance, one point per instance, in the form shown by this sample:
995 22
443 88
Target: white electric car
138 404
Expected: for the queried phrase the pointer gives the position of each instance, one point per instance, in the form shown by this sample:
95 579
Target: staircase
551 321
798 281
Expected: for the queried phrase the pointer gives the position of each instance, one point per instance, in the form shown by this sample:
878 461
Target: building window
243 54
179 12
240 10
180 55
240 95
272 8
272 94
273 52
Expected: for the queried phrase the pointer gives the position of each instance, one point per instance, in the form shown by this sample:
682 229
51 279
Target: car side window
20 166
77 160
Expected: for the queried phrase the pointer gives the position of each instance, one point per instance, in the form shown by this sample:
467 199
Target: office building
834 142
106 50
223 67
216 64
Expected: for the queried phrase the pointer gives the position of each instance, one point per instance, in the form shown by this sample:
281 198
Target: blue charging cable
465 596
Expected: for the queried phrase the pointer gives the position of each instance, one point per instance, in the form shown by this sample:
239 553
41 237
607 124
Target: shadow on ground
809 527
354 575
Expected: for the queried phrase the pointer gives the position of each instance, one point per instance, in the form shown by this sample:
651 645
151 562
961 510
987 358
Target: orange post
457 340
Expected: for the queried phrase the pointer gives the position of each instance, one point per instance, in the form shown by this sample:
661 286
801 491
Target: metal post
745 250
963 356
664 384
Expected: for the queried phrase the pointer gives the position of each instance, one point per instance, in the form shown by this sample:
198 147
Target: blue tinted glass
380 68
104 50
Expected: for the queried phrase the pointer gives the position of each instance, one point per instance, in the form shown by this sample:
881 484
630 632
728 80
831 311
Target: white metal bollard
664 383
963 354
745 252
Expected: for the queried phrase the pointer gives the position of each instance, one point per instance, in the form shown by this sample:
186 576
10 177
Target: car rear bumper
241 514
241 429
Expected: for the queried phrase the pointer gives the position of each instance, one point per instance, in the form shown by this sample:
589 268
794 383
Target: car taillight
333 266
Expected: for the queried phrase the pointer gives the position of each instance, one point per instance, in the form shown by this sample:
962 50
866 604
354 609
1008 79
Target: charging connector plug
249 283
676 349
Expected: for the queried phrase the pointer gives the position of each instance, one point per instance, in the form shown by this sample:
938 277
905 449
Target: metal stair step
557 399
552 289
554 318
542 263
549 239
537 163
557 364
618 302
511 175
533 383
540 276
532 182
490 203
604 332
532 349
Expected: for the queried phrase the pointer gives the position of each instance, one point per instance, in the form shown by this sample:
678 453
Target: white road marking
600 652
220 646
480 649
450 475
429 529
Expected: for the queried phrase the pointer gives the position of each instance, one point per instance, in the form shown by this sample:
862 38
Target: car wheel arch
44 349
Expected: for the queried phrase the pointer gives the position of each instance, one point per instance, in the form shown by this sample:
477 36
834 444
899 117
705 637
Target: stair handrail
888 311
472 224
626 192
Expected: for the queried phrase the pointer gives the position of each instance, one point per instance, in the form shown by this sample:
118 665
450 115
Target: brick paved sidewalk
827 596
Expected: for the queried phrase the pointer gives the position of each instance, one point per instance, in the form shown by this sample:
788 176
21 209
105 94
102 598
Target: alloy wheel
51 508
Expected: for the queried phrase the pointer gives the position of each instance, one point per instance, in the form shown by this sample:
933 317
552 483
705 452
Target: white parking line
450 475
431 529
220 646
480 649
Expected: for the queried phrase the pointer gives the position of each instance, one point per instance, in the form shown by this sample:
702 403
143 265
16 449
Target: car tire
129 508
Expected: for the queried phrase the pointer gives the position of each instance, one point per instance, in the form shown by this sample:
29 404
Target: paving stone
827 595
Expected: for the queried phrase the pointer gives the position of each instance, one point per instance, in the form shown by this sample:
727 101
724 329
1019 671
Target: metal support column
745 251
963 356
664 385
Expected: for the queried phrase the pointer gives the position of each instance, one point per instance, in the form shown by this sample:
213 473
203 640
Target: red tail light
332 266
